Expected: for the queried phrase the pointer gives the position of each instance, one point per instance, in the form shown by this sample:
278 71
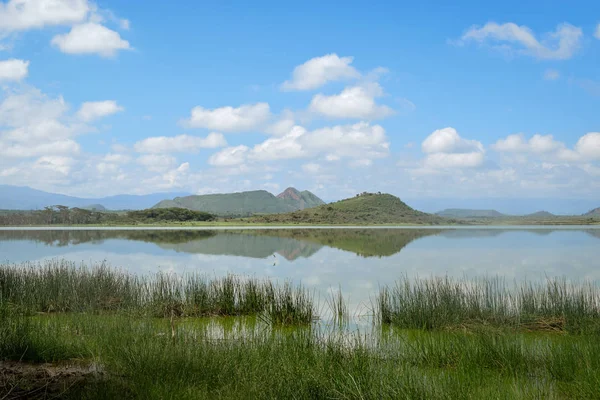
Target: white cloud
13 70
558 45
353 102
180 143
551 75
92 110
281 148
61 165
19 15
311 168
537 144
446 149
358 141
157 162
317 71
91 38
229 156
283 125
447 140
454 160
589 146
597 33
228 119
25 150
124 24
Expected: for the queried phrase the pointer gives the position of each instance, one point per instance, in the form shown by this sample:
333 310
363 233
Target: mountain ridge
26 198
246 203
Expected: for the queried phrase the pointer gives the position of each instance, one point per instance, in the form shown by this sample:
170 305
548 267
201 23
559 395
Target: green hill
367 208
245 203
466 213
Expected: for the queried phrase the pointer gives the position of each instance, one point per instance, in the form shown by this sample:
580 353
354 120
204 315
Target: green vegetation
444 303
363 242
467 340
366 208
61 215
60 286
169 214
246 203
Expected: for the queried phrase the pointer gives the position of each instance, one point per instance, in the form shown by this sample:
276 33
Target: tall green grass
61 286
435 303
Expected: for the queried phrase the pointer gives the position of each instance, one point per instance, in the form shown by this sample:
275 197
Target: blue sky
425 100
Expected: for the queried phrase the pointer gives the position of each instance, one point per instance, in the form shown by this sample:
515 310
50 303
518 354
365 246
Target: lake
358 260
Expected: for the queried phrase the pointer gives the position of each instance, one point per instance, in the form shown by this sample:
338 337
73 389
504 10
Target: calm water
357 260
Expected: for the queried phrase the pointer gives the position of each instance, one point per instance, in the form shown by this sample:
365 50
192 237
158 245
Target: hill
466 213
367 208
593 213
540 214
26 198
246 203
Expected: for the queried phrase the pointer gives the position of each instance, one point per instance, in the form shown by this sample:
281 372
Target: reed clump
62 286
439 303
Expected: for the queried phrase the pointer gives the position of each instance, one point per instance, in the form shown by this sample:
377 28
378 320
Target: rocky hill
246 203
593 213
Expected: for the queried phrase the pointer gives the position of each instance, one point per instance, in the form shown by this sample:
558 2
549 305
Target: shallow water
357 260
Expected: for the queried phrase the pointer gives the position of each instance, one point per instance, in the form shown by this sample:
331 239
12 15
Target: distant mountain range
26 198
467 213
246 203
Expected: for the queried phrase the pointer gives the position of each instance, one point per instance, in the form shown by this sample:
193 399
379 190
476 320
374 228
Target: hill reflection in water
288 243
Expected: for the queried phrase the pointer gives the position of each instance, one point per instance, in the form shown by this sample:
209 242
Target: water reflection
288 243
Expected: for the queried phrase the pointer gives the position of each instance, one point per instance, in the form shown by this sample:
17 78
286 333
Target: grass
175 337
62 286
438 303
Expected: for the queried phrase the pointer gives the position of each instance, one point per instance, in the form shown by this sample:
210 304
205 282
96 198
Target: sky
429 100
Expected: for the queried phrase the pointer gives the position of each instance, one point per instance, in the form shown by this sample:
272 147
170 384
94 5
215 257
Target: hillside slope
367 208
593 213
245 203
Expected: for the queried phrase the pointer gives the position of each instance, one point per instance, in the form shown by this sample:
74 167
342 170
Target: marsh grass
61 286
438 303
436 338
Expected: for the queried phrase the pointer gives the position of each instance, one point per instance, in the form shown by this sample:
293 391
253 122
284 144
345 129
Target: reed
436 303
61 286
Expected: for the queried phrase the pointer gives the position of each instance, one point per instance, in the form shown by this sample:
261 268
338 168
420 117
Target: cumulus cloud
586 149
229 119
537 144
51 148
358 141
157 162
445 148
353 102
91 38
448 140
20 15
558 45
92 110
317 71
229 156
13 70
180 143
